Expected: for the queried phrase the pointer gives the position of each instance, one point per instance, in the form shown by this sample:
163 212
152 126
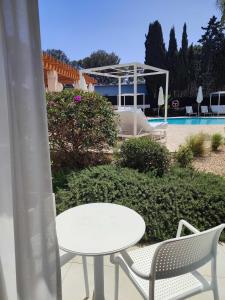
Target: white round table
98 229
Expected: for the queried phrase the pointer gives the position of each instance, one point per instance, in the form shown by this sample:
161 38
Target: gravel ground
177 134
213 162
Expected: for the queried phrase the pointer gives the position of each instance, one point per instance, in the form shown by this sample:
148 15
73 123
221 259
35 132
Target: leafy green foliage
191 65
59 179
79 129
162 201
221 5
155 55
100 58
184 156
172 60
213 58
196 143
58 54
145 154
216 141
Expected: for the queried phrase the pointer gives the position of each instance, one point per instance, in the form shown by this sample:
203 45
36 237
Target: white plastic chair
189 111
168 270
205 111
65 257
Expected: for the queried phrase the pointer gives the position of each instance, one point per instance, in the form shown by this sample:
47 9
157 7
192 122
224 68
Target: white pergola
142 106
132 70
219 93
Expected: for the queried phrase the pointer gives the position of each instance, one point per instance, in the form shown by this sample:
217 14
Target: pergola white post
219 99
166 96
119 94
135 100
144 102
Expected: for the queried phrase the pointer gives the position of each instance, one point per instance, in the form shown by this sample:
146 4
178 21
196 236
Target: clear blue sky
79 27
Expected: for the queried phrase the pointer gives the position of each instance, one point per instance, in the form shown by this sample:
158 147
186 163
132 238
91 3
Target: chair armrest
65 257
128 261
187 225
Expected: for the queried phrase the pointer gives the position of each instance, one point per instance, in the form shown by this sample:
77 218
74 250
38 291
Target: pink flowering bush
77 98
81 125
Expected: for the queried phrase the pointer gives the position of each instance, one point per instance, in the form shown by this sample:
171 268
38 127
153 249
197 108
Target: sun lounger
126 124
218 109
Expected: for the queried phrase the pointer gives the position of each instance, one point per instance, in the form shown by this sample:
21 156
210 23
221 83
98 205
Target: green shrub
216 141
184 156
196 143
162 201
59 179
81 125
145 154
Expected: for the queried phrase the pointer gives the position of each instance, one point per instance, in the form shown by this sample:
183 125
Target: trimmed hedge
196 197
145 154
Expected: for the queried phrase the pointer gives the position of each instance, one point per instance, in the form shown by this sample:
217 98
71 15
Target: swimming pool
192 121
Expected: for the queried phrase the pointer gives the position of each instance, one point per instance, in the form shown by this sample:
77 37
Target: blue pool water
192 121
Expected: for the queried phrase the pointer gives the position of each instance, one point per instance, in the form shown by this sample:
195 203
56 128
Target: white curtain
29 266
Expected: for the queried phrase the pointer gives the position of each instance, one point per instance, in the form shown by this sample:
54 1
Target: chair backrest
215 108
221 109
189 109
182 255
204 109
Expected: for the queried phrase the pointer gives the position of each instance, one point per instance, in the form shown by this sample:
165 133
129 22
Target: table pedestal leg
98 278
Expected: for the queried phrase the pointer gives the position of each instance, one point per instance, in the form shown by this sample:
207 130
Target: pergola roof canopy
66 73
125 70
218 93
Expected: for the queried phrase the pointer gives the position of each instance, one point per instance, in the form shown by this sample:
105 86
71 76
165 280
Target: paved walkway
177 134
73 284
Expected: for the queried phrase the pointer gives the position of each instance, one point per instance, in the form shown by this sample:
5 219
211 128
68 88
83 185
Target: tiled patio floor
73 283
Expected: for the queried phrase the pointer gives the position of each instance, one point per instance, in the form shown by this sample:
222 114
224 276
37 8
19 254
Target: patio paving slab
73 280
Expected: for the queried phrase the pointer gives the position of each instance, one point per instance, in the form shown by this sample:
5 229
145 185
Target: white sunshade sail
91 87
161 97
82 83
199 98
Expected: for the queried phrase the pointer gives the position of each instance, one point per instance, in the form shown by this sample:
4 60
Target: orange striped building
57 73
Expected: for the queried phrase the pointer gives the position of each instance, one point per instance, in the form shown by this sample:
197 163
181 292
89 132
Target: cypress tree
155 55
182 69
184 47
192 72
171 59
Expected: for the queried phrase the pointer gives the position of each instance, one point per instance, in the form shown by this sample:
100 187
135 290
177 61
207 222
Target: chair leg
84 259
116 296
216 293
214 279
